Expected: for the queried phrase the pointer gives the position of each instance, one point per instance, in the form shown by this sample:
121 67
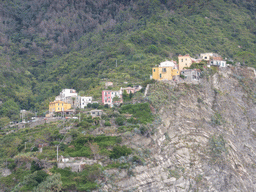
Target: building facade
164 73
184 61
219 63
84 101
109 95
67 93
58 106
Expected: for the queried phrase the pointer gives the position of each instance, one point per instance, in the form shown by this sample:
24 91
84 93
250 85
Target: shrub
217 146
107 123
152 49
34 167
119 151
122 129
137 159
34 149
120 121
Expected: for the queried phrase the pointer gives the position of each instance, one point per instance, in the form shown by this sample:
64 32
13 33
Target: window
93 112
205 57
160 75
58 108
181 60
106 94
58 104
154 70
62 104
105 100
185 59
164 70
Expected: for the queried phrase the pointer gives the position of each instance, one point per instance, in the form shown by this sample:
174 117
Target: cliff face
206 139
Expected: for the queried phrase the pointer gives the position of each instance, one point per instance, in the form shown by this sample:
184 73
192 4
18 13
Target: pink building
108 95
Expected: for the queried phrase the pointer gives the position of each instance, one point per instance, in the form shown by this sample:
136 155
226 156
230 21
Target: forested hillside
47 45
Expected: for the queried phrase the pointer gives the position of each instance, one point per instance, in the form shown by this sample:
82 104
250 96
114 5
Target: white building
84 101
219 63
67 93
169 64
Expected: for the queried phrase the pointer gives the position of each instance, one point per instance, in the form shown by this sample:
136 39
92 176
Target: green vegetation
140 111
41 53
119 151
217 149
80 147
82 181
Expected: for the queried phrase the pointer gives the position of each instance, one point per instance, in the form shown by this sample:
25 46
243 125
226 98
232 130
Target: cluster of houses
170 70
110 97
68 100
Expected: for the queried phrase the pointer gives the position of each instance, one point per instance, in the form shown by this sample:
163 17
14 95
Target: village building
58 106
165 71
191 74
218 62
67 93
108 84
96 113
109 95
208 56
84 101
184 61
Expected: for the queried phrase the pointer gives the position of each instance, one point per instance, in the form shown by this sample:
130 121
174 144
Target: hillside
185 137
49 45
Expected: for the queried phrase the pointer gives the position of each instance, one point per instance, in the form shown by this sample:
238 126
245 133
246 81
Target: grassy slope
137 45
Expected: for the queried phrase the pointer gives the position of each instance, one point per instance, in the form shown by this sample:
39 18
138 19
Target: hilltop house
165 71
184 61
191 74
208 56
218 62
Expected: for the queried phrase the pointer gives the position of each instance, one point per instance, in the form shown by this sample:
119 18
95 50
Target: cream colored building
184 61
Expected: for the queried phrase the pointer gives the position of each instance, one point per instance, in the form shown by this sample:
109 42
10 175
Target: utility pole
57 153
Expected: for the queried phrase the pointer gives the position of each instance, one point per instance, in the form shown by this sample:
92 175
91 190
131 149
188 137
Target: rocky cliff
205 141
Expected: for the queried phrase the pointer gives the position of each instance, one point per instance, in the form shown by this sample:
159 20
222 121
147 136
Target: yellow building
58 106
164 73
184 61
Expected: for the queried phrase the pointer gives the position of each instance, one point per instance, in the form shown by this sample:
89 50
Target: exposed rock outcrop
206 141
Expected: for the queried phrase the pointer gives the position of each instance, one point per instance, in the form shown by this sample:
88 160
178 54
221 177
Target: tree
10 109
4 121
